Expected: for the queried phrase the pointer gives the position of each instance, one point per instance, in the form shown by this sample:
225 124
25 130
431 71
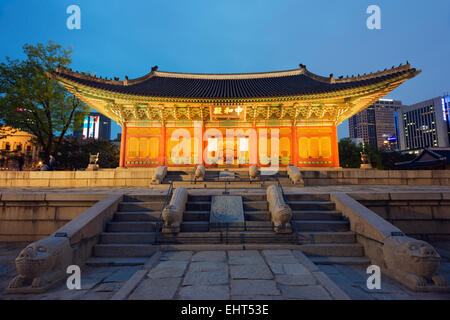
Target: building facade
266 119
425 125
17 143
377 125
95 126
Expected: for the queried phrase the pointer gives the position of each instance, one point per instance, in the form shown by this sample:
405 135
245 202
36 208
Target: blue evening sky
120 37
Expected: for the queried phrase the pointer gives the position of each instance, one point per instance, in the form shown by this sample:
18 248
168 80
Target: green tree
349 154
74 153
33 102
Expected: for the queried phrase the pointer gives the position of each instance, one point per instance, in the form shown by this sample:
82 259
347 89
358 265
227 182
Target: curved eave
338 94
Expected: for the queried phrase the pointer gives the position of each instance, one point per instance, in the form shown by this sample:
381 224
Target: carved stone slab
227 213
226 175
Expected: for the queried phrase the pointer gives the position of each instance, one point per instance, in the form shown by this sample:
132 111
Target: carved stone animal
41 265
411 262
295 175
280 212
172 215
253 172
158 175
200 172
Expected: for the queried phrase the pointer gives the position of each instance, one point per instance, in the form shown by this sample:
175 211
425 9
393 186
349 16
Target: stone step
333 250
115 261
312 205
254 197
258 226
326 237
198 206
236 184
257 215
317 215
322 225
194 198
261 236
127 237
195 226
328 250
137 216
308 197
128 226
143 198
124 250
255 205
226 237
196 216
339 260
140 206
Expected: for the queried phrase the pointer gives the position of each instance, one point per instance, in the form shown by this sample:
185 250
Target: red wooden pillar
294 145
123 145
257 145
335 147
163 155
202 144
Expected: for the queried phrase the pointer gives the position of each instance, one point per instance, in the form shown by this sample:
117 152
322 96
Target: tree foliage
349 154
33 102
74 153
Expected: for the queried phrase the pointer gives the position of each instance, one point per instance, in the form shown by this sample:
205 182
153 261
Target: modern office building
377 124
95 126
425 125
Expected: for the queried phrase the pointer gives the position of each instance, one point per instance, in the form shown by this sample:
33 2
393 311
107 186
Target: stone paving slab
202 266
201 292
248 257
254 287
305 292
254 272
156 289
205 278
210 256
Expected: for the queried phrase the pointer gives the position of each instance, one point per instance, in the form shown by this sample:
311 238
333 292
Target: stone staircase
183 177
321 232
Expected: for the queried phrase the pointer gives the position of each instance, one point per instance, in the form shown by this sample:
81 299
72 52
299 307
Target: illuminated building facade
425 125
182 119
95 126
377 125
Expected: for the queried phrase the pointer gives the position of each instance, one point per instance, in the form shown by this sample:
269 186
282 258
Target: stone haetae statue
412 262
295 175
93 158
199 173
41 265
172 215
158 175
365 159
280 212
253 172
93 162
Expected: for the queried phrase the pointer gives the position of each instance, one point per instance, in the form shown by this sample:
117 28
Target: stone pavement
223 275
352 280
237 191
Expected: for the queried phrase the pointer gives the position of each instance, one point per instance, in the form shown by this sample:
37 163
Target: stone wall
137 177
27 217
421 215
377 177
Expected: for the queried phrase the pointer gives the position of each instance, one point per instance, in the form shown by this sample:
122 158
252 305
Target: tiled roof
225 86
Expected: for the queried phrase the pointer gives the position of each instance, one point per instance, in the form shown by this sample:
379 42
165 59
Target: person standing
20 162
52 162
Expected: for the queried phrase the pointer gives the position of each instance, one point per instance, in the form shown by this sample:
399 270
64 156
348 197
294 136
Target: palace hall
184 119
